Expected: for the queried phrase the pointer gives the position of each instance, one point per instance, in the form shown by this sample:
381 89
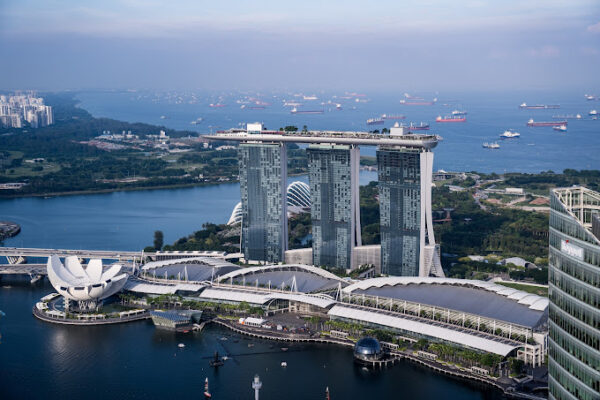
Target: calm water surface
135 361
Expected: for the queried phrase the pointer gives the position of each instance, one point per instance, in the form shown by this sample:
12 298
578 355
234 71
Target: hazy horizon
414 46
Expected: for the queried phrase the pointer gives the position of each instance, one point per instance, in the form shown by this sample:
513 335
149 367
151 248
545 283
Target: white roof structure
209 261
436 331
471 296
305 278
161 288
74 282
534 301
256 297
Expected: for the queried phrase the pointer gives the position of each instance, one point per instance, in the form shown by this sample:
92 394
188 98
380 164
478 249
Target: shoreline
103 191
437 367
125 189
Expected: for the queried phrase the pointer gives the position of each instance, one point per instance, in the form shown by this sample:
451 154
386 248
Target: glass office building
263 174
574 291
333 174
405 210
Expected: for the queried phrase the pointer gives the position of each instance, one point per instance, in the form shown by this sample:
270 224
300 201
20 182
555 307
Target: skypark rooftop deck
330 137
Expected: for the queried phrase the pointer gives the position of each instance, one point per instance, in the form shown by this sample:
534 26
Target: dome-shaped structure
87 285
298 194
367 349
297 197
236 215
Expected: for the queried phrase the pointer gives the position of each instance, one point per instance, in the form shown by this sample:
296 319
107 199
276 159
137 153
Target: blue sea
488 115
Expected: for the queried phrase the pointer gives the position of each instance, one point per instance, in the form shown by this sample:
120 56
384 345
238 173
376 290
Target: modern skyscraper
574 291
407 241
263 174
333 179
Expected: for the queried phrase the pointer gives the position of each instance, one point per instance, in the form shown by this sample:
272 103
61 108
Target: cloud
547 51
594 28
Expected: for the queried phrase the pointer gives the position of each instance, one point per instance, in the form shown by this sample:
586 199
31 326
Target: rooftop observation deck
330 137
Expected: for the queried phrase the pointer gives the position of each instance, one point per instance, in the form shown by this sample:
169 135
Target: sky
306 44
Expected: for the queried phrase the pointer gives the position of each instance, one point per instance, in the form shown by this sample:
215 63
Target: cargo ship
531 122
524 106
217 105
421 127
418 102
375 121
391 116
296 111
568 116
450 119
458 112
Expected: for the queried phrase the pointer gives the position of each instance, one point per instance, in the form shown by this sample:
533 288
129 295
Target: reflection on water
42 360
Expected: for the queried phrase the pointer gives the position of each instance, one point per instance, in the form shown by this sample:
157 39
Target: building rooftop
332 137
300 278
475 297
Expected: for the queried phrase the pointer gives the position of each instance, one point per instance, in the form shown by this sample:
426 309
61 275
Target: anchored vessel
510 134
375 121
531 122
524 106
450 119
296 111
392 116
492 145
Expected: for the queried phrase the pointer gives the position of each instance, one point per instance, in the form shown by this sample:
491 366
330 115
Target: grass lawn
540 291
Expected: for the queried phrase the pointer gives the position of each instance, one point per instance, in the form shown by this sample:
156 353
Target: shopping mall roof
147 287
191 268
261 297
470 296
455 335
298 277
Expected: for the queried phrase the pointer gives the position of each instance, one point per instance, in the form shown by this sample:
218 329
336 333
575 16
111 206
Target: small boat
197 121
181 345
492 146
510 134
561 128
207 394
223 338
284 349
283 364
593 113
250 344
458 112
163 117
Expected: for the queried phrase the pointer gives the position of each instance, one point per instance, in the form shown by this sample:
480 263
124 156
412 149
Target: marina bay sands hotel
405 163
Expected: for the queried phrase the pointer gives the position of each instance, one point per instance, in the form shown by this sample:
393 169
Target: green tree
158 240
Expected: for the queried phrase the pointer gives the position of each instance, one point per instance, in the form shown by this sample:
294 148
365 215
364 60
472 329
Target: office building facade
263 174
574 292
333 178
407 241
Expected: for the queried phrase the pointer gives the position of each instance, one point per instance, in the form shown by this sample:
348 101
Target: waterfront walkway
447 369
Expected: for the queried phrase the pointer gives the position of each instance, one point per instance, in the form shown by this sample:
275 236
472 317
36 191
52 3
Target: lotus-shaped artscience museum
91 284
